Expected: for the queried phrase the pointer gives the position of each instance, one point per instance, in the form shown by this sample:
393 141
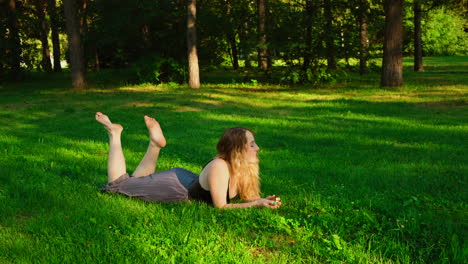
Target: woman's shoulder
217 164
217 168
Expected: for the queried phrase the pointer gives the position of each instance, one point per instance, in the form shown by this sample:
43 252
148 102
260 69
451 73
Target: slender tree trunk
231 36
43 35
97 62
262 50
146 36
364 43
194 74
78 71
83 18
14 41
330 49
418 53
309 13
235 54
3 43
244 39
55 35
392 64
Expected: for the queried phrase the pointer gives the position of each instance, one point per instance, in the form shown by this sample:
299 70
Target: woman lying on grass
234 172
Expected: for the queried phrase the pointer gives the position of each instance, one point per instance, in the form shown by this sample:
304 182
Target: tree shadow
376 154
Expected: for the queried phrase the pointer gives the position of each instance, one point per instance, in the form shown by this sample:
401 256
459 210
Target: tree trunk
194 74
418 53
330 47
231 36
235 54
364 44
78 72
244 39
146 36
83 17
82 14
97 62
262 49
4 41
392 64
308 34
15 44
43 35
55 36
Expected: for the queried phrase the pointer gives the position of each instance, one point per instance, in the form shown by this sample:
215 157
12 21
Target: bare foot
108 125
155 132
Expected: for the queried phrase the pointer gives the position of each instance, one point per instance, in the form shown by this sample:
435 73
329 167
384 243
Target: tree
262 49
244 42
310 10
43 34
418 54
231 36
364 41
194 75
421 7
54 23
444 32
78 71
330 46
392 64
245 12
14 41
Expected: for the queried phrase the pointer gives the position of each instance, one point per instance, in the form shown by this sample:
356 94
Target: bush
154 69
293 75
443 33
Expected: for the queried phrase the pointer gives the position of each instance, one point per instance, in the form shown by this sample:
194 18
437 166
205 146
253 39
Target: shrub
443 33
293 75
155 69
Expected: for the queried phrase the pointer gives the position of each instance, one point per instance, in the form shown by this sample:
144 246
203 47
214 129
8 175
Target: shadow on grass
377 155
329 131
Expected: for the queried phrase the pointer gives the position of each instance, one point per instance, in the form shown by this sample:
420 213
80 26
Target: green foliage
155 69
444 33
122 32
31 54
299 76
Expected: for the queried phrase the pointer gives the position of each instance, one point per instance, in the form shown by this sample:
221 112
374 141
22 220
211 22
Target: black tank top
196 192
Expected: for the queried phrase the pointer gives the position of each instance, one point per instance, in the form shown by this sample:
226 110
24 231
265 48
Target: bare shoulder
216 169
219 164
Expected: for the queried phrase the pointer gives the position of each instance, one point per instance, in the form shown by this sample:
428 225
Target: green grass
365 175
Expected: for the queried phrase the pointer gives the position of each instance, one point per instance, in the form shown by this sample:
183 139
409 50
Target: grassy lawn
365 175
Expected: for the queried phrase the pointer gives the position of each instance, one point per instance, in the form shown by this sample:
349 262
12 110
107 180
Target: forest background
290 42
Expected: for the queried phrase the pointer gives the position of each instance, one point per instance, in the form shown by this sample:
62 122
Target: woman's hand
273 198
272 202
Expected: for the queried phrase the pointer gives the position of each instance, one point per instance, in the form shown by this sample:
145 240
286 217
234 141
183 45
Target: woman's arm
261 202
218 180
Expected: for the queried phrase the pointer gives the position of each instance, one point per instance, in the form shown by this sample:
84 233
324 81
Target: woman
234 172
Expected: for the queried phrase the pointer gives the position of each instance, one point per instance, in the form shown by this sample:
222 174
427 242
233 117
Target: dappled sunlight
9 140
138 104
209 102
361 173
187 109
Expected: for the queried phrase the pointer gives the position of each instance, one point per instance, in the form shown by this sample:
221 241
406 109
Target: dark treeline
305 38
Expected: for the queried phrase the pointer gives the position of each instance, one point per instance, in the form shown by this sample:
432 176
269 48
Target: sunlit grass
366 175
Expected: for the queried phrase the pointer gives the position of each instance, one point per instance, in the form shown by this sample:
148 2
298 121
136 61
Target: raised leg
116 161
157 141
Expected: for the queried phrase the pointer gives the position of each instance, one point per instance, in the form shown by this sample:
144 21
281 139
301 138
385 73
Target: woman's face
251 148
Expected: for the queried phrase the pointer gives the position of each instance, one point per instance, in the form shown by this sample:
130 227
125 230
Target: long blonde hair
231 147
